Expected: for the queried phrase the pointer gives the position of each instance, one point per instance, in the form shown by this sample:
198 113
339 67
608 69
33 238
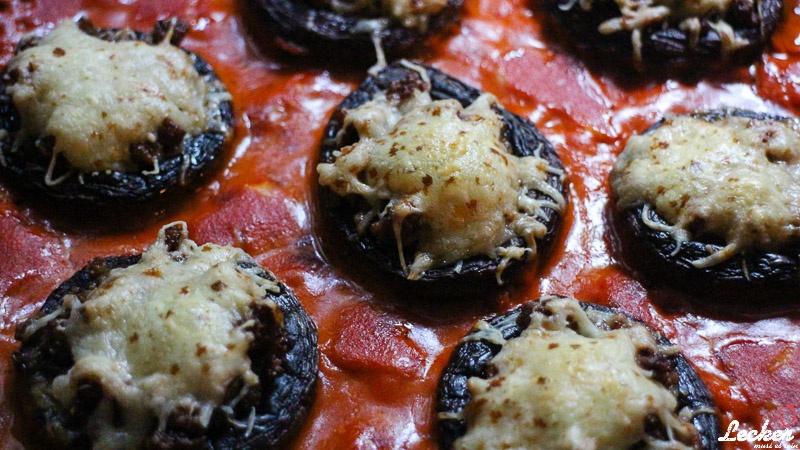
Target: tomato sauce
381 350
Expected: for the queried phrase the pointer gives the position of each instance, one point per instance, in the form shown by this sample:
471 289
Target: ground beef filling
158 350
99 101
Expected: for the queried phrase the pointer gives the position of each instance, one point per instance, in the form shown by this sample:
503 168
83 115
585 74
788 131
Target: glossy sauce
382 350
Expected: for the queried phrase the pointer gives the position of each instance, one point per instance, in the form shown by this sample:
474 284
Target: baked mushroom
183 346
713 199
562 374
110 116
684 34
354 26
432 180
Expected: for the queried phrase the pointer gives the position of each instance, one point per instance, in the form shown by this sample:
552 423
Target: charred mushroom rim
547 373
183 346
713 198
434 181
96 115
354 26
665 33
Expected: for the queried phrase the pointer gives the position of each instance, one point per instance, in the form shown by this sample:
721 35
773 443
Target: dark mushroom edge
182 158
521 137
471 358
303 26
655 253
283 356
666 43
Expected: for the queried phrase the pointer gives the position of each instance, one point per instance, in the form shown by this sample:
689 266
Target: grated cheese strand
449 166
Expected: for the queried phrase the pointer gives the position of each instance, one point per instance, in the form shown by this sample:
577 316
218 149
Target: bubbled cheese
447 165
560 388
96 98
170 331
737 179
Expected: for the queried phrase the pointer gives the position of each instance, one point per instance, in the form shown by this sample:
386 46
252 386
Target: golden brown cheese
562 388
96 98
736 178
448 165
172 330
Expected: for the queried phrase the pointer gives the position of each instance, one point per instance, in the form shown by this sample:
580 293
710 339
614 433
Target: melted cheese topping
559 388
448 166
96 98
170 331
636 15
410 13
736 179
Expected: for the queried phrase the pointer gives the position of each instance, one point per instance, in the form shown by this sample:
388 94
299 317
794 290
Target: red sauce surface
380 353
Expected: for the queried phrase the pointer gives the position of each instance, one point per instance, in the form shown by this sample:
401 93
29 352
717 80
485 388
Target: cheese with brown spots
564 383
736 179
168 332
96 98
448 168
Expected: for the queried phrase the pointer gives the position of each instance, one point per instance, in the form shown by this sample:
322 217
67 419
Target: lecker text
734 434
